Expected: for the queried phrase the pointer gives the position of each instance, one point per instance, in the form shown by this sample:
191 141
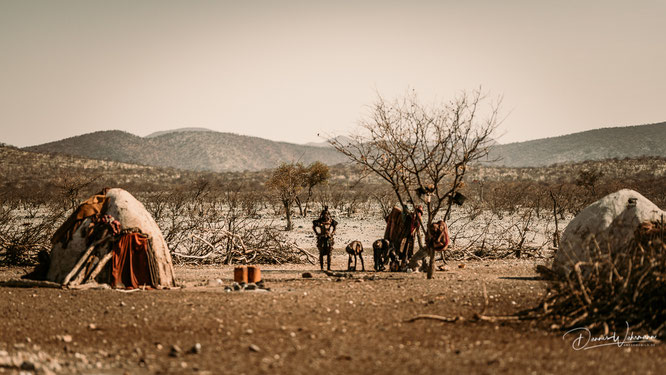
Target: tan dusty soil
305 326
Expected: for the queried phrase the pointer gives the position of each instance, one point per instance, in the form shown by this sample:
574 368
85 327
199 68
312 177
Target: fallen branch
16 283
439 318
308 256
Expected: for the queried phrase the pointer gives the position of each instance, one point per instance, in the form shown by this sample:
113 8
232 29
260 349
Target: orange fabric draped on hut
131 262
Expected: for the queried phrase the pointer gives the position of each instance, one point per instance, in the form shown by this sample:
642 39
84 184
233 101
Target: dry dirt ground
322 325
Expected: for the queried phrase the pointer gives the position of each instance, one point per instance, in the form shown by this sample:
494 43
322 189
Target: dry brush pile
205 224
615 288
25 229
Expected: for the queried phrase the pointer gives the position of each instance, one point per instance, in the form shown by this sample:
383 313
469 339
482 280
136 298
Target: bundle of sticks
259 246
615 287
92 261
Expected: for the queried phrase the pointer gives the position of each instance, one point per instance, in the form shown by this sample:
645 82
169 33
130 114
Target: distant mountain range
206 150
598 144
190 149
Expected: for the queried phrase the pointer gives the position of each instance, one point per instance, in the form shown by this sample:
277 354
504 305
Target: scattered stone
64 338
196 349
214 282
461 265
306 275
254 287
254 348
339 274
175 351
28 366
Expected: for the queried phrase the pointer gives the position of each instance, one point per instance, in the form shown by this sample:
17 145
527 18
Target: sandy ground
302 326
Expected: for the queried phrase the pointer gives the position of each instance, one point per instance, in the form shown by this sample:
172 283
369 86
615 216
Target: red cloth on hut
130 262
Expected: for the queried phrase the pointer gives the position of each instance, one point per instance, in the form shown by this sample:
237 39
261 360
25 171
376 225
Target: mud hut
111 239
606 225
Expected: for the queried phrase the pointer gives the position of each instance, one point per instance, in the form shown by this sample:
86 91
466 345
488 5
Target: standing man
324 229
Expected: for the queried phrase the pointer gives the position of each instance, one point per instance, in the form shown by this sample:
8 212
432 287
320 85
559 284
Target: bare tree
286 182
317 173
421 150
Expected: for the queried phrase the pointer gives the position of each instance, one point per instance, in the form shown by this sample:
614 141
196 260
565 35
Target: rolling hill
598 144
206 150
189 149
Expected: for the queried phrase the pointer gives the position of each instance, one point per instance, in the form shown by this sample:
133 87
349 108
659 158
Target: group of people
396 249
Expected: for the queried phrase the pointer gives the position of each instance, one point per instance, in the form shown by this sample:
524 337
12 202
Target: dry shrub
626 285
252 244
25 229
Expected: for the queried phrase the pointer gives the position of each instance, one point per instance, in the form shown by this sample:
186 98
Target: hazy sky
287 70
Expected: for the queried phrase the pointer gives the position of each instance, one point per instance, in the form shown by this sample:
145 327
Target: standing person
401 230
437 239
324 229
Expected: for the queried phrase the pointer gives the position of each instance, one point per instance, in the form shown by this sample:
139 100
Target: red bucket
240 274
253 274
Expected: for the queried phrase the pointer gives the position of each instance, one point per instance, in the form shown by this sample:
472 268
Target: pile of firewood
615 288
257 245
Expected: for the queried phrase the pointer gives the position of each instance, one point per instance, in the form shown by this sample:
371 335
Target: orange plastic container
253 274
240 274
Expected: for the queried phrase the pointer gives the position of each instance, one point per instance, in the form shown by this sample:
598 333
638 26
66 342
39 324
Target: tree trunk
287 209
300 206
307 202
556 235
431 265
